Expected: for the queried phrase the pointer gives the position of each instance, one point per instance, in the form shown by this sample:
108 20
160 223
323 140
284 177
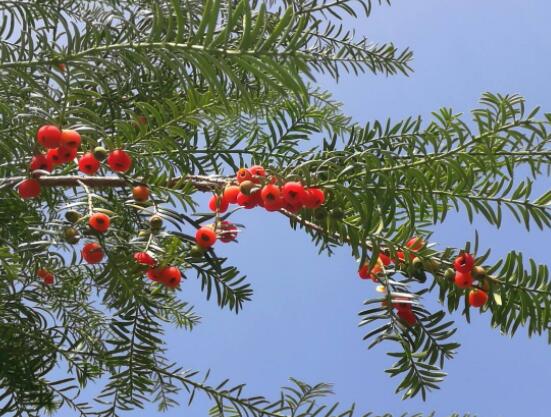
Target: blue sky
303 319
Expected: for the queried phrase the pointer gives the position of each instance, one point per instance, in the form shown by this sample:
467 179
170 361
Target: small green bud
143 234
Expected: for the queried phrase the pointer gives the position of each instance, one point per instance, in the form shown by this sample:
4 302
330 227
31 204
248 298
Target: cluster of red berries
93 253
62 147
415 244
169 276
465 274
47 276
206 236
255 188
258 189
404 310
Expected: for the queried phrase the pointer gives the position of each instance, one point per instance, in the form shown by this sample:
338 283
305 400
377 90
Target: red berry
463 279
49 136
293 193
53 157
70 138
230 194
291 207
257 170
66 154
415 244
464 263
92 253
205 237
144 258
275 205
219 204
313 198
29 188
170 276
154 274
40 162
99 222
407 316
247 201
399 257
48 279
270 193
243 175
42 272
384 259
228 232
477 298
402 306
119 161
88 164
140 193
363 272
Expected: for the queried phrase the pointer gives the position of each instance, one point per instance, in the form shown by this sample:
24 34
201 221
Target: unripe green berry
73 216
417 264
196 252
246 187
479 272
155 222
71 235
100 153
449 274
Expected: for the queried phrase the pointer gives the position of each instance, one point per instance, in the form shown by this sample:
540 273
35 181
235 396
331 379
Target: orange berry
477 298
205 237
243 175
140 193
218 204
99 222
70 138
230 194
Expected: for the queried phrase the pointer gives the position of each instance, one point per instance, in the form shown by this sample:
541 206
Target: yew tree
116 115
